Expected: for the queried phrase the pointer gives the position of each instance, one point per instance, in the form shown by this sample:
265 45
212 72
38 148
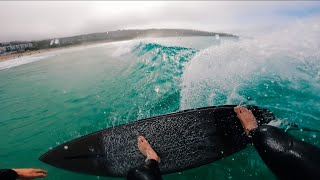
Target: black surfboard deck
183 140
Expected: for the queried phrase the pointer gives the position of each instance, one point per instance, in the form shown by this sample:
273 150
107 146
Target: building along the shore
14 47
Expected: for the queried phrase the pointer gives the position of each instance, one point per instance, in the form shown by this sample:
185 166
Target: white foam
124 48
223 69
276 123
22 60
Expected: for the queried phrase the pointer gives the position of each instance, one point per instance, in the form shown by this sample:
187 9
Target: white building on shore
15 47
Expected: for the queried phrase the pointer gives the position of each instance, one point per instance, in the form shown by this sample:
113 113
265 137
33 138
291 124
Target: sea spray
278 70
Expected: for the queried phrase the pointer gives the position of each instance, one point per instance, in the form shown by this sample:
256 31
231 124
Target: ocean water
51 98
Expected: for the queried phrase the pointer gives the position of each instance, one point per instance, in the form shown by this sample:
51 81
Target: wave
278 69
152 80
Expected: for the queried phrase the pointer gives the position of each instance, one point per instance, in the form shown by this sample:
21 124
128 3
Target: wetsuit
147 171
8 174
287 157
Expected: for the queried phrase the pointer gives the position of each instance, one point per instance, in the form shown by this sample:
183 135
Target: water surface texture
51 98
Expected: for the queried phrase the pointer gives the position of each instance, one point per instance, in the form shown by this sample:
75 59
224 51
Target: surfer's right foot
146 149
246 117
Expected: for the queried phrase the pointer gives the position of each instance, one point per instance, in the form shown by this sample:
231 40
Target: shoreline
44 46
16 55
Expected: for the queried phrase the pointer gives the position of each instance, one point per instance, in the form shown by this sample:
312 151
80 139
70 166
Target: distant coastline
16 49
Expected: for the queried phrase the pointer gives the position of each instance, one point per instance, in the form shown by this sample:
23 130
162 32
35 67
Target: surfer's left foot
246 117
146 149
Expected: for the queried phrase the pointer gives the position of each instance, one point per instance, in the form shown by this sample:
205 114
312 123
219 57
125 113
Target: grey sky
38 20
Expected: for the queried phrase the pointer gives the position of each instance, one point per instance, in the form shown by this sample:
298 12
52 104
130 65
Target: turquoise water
65 94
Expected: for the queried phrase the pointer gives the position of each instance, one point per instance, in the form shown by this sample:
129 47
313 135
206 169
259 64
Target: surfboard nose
80 155
60 152
57 156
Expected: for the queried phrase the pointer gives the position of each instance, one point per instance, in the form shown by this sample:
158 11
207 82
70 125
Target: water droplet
314 136
50 148
302 139
65 147
217 36
221 152
156 89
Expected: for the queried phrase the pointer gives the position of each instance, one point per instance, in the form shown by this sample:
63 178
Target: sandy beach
27 53
15 55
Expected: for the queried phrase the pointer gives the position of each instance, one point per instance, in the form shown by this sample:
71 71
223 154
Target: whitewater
50 98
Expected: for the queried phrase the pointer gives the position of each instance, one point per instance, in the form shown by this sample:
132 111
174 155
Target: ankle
154 157
248 128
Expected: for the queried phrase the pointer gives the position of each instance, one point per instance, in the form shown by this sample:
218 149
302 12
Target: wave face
74 92
153 80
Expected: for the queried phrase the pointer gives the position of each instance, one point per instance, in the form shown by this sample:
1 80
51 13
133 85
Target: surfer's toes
146 149
244 113
143 143
246 117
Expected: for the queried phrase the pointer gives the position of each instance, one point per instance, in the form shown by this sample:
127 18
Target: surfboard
183 140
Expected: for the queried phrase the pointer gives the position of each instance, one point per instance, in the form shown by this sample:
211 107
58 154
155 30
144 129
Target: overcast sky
38 20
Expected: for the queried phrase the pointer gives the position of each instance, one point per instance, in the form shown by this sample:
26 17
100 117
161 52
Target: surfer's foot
246 117
146 149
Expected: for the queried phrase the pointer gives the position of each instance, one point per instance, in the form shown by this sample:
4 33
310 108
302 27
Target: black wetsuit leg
8 174
287 157
147 171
